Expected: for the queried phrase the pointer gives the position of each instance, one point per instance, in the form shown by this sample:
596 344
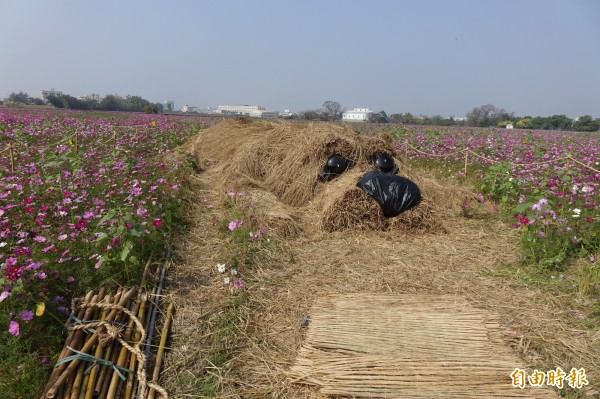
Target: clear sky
530 57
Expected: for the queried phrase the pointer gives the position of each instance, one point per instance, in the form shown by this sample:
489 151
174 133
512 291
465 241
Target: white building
255 111
188 108
357 115
48 93
90 97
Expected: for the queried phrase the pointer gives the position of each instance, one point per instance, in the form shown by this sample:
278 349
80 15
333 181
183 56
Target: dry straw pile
278 163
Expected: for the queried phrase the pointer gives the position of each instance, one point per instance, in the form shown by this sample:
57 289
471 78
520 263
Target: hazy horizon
536 58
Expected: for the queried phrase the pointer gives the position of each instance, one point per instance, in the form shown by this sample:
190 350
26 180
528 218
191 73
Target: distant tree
19 97
56 101
525 123
150 109
560 122
378 117
407 118
312 115
136 104
485 115
38 101
586 124
112 102
333 109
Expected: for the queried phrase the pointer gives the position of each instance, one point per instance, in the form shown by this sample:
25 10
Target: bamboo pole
77 141
136 337
12 158
146 322
84 384
466 160
568 164
88 345
74 394
90 388
121 360
161 348
406 150
65 390
107 354
68 342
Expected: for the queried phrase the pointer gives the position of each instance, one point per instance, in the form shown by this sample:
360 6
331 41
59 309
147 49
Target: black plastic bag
394 194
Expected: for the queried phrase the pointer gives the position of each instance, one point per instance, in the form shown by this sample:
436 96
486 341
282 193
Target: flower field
548 182
83 198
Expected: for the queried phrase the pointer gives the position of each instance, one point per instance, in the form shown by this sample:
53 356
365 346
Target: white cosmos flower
576 212
221 267
226 280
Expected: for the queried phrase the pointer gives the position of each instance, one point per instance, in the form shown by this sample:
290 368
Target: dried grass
280 162
418 346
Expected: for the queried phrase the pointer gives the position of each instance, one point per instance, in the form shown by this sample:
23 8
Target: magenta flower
234 224
238 283
13 328
157 223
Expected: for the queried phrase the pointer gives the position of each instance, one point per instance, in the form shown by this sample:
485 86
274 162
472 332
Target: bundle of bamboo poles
103 355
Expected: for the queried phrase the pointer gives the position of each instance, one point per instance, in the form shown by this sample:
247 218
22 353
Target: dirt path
469 261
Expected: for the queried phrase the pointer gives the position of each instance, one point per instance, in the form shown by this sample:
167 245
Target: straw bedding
410 346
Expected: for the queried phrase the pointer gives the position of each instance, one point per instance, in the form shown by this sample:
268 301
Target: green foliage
586 124
378 117
20 97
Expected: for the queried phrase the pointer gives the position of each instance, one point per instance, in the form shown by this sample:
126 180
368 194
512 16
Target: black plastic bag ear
395 194
335 166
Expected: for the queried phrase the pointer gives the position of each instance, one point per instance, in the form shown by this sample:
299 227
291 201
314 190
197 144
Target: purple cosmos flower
26 315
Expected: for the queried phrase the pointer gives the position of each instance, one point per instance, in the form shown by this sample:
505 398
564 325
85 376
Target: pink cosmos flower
157 223
238 283
234 224
13 328
4 295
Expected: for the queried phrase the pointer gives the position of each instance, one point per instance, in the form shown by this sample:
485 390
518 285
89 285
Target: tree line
486 115
111 102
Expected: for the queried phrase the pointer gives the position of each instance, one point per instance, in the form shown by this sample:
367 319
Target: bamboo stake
146 322
161 348
466 160
70 341
65 390
136 337
77 141
122 357
88 345
74 394
12 158
406 150
84 384
568 164
107 354
90 388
